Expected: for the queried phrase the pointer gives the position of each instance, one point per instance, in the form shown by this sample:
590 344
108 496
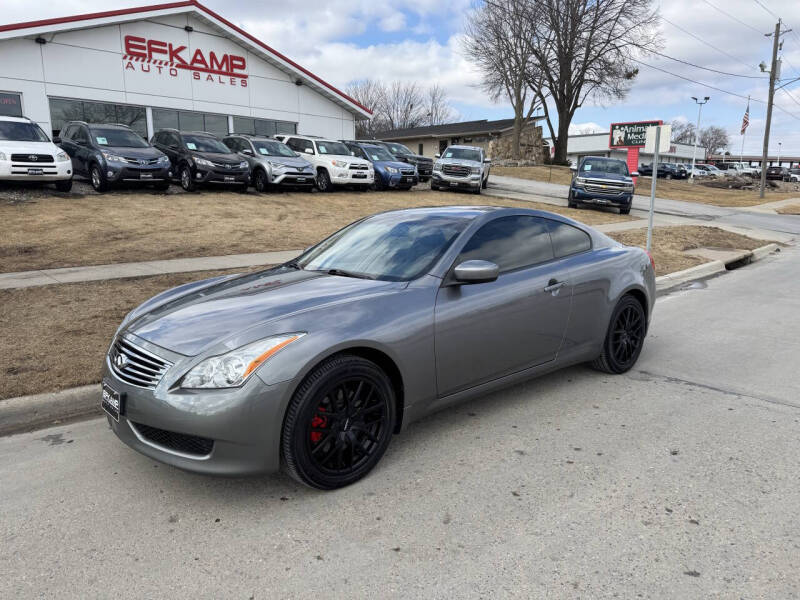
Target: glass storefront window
190 121
216 124
64 110
10 105
265 127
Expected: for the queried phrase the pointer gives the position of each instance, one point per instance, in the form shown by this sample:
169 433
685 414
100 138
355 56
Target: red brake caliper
319 421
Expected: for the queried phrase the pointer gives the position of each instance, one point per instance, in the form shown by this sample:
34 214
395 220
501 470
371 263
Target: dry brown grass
792 209
674 190
54 337
671 243
57 231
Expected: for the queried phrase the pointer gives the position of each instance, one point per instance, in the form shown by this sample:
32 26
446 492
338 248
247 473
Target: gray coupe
316 363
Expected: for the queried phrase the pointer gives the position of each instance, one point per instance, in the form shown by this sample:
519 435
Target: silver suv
272 163
464 167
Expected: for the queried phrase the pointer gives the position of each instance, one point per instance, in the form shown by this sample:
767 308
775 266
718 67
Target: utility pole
773 75
697 132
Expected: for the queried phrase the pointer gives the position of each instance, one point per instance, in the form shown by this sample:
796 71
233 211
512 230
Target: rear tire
339 423
624 339
485 182
97 179
64 185
434 187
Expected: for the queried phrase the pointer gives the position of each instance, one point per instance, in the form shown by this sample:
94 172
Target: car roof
15 119
465 147
472 212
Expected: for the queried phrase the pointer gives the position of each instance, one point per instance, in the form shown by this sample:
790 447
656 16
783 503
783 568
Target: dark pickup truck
602 181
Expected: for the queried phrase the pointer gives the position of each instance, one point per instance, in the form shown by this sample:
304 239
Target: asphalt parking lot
677 480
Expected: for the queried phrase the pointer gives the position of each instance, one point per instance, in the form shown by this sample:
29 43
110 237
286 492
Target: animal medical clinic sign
167 60
631 136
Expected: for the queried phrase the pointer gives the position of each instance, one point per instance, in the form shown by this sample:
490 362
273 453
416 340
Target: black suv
402 153
109 154
781 173
199 157
665 170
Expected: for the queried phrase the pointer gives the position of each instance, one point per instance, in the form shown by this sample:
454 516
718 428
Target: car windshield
462 154
120 138
389 246
399 149
204 143
17 131
604 165
270 148
328 147
377 153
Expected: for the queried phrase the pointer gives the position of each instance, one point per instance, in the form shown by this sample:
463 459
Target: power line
701 40
788 93
706 68
729 15
766 9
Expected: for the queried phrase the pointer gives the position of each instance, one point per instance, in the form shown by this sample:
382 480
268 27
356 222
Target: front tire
323 181
625 210
571 200
624 338
64 185
261 181
97 179
339 423
186 179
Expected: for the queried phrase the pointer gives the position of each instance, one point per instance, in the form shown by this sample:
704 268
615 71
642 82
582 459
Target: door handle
554 285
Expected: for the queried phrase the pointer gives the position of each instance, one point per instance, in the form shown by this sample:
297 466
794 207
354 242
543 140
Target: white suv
333 162
27 154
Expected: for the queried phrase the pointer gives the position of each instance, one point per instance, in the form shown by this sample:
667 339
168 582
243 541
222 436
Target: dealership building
174 65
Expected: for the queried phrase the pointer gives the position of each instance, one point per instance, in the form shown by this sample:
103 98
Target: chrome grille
456 170
136 366
407 171
141 161
32 158
604 187
358 167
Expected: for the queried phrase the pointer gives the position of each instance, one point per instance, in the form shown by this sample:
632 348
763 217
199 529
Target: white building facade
596 144
176 65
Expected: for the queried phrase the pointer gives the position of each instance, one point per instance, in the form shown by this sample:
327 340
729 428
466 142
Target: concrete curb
673 280
27 413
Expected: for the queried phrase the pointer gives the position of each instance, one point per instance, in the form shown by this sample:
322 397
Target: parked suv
199 157
272 163
602 181
333 162
776 172
665 170
27 154
461 167
110 154
741 169
400 152
389 172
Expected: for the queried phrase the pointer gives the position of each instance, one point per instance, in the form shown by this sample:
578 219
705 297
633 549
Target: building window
420 148
265 127
185 120
63 111
10 105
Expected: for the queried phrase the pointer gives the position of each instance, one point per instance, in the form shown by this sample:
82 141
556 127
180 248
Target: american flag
746 118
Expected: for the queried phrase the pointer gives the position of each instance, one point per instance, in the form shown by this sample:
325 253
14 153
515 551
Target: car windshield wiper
345 273
292 264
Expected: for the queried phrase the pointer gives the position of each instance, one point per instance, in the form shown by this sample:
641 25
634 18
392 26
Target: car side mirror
487 161
635 174
437 155
56 140
476 271
309 151
573 167
352 154
248 152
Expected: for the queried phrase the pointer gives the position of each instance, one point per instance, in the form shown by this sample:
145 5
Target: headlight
163 160
60 157
202 162
475 170
391 170
437 167
339 163
277 166
580 180
243 165
113 157
232 369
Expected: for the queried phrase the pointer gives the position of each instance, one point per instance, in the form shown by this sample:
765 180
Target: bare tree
369 93
437 106
586 49
682 132
714 139
498 41
403 104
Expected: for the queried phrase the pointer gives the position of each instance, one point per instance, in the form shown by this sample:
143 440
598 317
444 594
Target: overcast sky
420 40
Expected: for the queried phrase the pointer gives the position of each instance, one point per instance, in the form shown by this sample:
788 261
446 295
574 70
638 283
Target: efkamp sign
630 135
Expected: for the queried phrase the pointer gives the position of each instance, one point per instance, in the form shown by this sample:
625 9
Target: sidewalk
24 279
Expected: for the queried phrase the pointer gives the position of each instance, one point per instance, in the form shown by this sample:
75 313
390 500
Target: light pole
779 154
697 131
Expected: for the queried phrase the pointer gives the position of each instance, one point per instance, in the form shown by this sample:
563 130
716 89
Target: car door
171 146
82 150
484 331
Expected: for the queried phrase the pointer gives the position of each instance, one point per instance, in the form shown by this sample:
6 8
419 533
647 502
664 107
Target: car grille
407 171
358 167
456 170
226 166
604 187
139 367
140 161
29 158
180 442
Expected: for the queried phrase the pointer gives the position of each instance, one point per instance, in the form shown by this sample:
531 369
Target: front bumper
116 173
292 179
469 182
398 180
351 176
243 423
227 176
45 172
610 199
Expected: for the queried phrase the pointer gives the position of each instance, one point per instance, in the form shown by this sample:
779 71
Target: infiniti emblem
121 361
33 157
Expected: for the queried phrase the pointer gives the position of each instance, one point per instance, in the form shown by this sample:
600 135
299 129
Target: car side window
510 242
299 145
235 144
567 239
81 136
66 133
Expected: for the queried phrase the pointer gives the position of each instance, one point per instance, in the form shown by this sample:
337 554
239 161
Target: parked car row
110 154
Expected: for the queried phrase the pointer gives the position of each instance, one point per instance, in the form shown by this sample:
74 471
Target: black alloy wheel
339 423
261 181
97 179
377 184
323 181
571 200
185 175
625 337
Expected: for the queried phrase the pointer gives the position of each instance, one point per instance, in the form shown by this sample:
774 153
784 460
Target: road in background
679 479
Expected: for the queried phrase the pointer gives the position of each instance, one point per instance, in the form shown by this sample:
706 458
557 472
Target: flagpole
744 133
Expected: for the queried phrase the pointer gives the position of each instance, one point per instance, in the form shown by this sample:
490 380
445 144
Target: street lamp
697 130
779 154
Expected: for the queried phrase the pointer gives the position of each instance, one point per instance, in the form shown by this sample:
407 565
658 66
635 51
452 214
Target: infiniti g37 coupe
316 363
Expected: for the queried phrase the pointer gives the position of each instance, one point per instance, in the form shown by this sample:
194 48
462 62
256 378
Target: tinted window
67 132
510 243
63 110
299 145
204 143
80 135
329 147
604 165
568 239
122 138
273 148
17 131
377 153
235 144
462 154
396 148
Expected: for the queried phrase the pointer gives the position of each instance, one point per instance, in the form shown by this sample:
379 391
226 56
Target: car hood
350 159
192 320
382 164
220 157
289 161
459 161
133 152
604 175
29 147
